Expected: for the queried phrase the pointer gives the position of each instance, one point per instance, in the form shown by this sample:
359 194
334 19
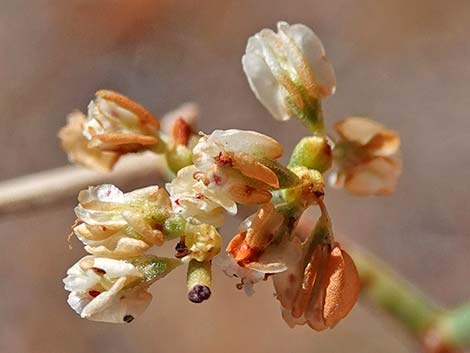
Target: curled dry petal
247 246
377 176
369 134
366 158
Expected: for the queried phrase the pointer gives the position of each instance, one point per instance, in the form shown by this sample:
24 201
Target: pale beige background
406 63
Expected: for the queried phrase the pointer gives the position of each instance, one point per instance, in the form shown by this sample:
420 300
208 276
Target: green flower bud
179 157
152 267
312 152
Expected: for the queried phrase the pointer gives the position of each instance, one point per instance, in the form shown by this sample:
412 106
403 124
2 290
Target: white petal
116 268
78 301
104 193
105 218
118 245
115 306
120 309
378 176
263 83
79 280
312 48
250 142
143 193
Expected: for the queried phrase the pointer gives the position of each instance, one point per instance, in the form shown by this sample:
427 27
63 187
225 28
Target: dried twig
40 189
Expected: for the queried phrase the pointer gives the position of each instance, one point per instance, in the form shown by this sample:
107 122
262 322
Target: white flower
241 150
116 123
118 224
287 69
192 198
102 290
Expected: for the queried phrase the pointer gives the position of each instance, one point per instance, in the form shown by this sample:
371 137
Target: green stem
394 295
310 114
454 327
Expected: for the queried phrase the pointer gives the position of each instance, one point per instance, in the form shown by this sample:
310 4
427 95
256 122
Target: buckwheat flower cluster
216 174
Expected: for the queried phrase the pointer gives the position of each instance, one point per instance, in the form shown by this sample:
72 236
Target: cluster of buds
315 279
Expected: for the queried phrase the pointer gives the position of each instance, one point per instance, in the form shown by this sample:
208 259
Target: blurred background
404 63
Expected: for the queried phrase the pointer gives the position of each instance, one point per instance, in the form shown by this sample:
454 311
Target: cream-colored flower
110 290
234 162
191 197
118 225
366 157
288 70
241 150
320 286
116 123
76 146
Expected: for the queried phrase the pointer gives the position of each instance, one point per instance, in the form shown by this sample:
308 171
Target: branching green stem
450 330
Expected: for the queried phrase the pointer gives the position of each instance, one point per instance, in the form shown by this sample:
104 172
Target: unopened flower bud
289 73
313 152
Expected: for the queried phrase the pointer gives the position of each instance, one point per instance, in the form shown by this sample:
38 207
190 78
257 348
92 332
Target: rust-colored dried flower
320 286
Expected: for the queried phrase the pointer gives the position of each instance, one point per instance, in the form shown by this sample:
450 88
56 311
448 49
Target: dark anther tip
199 293
128 318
